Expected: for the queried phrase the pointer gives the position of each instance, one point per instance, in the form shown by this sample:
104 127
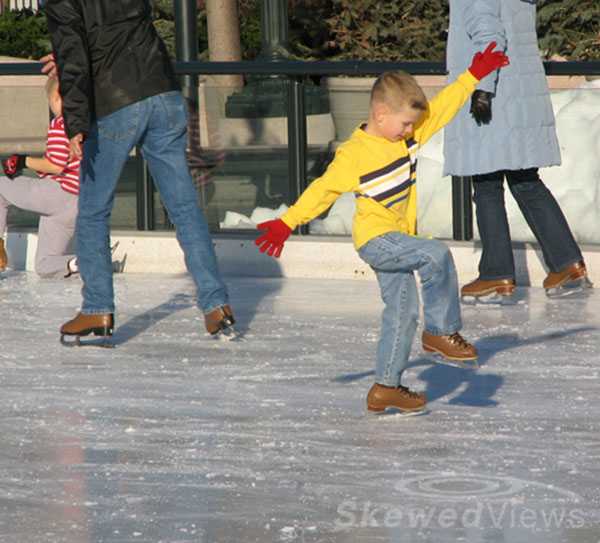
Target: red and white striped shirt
57 152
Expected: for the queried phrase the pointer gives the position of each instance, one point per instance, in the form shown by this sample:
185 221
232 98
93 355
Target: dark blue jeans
158 124
541 211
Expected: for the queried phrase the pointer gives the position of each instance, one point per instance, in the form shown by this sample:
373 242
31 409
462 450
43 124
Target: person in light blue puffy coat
508 132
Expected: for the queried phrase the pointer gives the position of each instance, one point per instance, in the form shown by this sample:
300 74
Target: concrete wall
313 257
24 113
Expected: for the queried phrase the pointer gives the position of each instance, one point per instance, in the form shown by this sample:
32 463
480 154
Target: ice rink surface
176 437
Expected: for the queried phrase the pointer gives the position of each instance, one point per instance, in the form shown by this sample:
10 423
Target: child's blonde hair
396 90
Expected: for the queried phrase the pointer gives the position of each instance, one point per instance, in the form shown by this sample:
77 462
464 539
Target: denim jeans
394 257
540 210
158 125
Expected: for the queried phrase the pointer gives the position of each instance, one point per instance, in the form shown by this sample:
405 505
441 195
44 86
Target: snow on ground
175 437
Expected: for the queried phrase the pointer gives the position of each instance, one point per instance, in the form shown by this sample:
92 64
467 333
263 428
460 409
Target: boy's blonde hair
396 90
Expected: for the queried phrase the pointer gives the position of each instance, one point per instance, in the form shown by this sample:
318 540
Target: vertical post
144 194
224 44
296 138
186 39
186 49
462 209
274 30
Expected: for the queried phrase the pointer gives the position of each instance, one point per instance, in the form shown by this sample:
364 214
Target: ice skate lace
409 393
459 341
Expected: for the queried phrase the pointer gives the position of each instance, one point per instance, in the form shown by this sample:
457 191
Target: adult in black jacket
119 91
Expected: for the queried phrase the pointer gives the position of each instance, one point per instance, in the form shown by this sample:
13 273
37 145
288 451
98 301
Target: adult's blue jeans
395 257
541 211
158 125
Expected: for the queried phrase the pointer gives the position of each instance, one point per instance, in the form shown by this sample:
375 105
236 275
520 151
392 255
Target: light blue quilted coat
522 132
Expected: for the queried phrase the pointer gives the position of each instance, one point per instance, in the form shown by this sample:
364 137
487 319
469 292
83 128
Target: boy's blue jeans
158 125
395 257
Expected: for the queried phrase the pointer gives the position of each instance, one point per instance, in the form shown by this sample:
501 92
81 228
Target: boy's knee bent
440 252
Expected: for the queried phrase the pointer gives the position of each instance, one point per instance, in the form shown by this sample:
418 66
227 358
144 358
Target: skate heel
104 331
506 290
219 323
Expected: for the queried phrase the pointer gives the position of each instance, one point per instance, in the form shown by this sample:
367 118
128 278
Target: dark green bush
23 35
570 28
410 30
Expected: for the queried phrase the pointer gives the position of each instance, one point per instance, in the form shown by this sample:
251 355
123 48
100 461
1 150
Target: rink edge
320 257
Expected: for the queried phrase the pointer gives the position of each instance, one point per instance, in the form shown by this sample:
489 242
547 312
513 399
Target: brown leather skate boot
3 258
575 272
453 350
83 325
504 287
381 398
218 320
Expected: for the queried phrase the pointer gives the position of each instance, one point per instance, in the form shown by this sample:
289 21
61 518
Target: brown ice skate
451 349
570 280
220 321
488 292
101 324
381 397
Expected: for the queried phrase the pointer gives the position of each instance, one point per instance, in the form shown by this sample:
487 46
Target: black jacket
108 56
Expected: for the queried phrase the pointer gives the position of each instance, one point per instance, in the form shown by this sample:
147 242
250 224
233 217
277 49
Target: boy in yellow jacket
378 163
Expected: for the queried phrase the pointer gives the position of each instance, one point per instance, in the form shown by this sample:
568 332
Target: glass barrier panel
238 151
238 156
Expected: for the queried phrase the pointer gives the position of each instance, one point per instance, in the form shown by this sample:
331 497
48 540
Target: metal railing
297 73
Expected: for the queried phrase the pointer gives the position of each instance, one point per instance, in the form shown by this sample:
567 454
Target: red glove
485 63
14 165
274 237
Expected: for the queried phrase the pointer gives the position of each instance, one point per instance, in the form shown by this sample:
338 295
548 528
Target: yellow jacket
381 173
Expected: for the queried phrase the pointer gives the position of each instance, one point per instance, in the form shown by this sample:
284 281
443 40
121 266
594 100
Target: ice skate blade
229 334
464 364
395 412
104 343
490 299
579 286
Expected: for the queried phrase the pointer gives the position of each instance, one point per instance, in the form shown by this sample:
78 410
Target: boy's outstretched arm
277 232
340 177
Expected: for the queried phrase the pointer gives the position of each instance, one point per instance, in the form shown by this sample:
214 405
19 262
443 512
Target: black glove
481 107
14 165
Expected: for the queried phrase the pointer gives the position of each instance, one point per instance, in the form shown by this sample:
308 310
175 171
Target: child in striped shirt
54 195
